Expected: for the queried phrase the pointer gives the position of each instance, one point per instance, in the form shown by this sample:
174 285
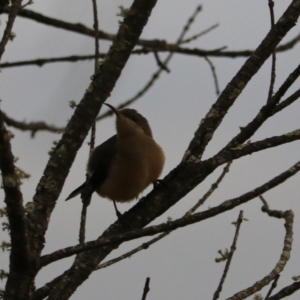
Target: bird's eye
134 119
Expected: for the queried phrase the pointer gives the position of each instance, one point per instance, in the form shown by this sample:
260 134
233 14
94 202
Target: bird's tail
76 192
85 190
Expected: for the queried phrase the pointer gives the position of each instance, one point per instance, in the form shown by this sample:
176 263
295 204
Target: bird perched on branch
127 163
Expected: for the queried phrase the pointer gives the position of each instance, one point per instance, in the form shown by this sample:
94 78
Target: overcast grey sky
182 265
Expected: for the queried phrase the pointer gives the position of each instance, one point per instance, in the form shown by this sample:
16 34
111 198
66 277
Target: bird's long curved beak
113 109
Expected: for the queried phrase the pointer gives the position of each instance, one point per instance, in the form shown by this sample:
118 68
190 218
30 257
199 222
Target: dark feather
76 192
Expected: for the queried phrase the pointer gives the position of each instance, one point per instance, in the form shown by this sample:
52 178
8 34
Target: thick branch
286 291
20 257
13 198
7 35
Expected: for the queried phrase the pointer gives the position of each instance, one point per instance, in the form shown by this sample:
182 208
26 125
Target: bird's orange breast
138 163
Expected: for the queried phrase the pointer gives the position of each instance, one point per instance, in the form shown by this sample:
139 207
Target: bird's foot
122 218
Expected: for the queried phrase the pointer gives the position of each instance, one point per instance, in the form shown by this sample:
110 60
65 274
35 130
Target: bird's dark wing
98 166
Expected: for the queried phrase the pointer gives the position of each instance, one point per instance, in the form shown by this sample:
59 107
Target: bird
123 166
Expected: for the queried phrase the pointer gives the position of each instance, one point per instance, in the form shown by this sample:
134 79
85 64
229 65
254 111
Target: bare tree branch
31 126
285 103
78 28
20 258
232 250
286 291
214 186
265 112
146 288
8 35
171 49
214 73
144 246
93 128
42 61
196 36
273 286
273 67
284 257
152 45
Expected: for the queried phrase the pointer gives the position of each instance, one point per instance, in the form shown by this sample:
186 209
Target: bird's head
129 121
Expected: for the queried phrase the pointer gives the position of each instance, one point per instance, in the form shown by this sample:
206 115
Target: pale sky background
182 265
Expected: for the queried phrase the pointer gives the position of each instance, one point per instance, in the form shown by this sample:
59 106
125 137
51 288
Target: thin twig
82 29
271 7
196 52
215 77
31 126
214 186
191 20
160 63
288 215
285 103
26 4
273 286
42 61
230 255
273 67
96 28
97 54
144 246
93 128
171 48
146 288
196 36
